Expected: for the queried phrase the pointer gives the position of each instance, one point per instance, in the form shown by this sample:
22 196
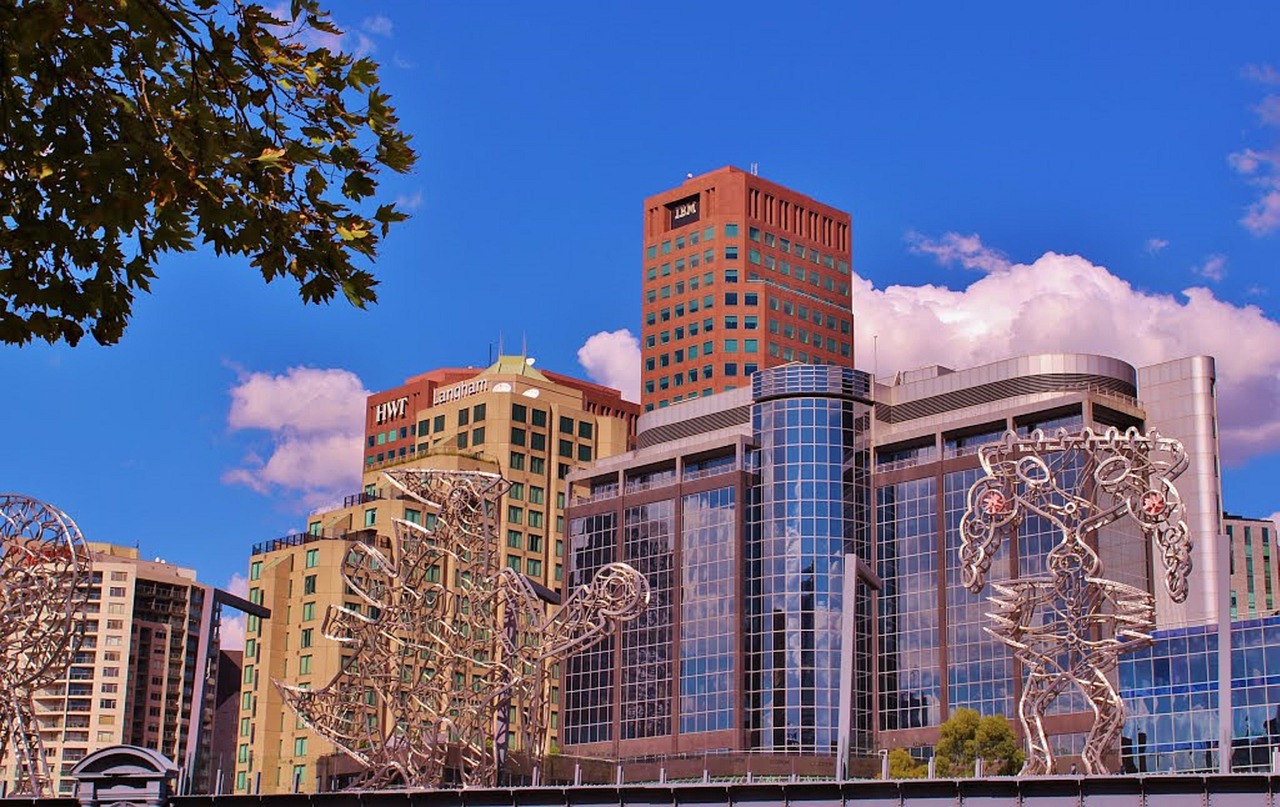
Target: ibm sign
391 410
685 211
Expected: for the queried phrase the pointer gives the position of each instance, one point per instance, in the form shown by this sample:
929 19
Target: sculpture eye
993 503
1154 503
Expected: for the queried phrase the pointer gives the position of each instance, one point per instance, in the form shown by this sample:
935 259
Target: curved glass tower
812 429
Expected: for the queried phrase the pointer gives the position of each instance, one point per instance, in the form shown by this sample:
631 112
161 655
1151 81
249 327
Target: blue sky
978 147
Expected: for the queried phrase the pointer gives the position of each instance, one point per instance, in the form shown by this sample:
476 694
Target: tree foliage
965 736
904 766
130 127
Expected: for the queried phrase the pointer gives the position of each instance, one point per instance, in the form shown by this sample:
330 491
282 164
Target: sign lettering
460 390
390 410
684 212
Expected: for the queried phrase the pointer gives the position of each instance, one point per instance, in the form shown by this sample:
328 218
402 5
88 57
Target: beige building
530 425
1255 571
141 676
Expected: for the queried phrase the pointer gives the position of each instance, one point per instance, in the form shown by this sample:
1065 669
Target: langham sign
460 390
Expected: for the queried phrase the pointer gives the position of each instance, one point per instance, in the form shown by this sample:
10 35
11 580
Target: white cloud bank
1064 303
612 358
313 421
1058 303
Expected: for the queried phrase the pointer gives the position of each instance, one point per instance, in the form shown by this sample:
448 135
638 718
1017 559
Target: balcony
692 473
599 493
368 536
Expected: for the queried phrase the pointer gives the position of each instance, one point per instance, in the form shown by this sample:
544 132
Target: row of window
679 355
730 370
692 240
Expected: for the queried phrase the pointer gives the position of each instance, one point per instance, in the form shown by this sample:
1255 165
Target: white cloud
1064 303
313 421
379 25
1155 245
1275 519
1262 73
966 250
612 358
1262 167
231 631
1214 268
1263 215
409 201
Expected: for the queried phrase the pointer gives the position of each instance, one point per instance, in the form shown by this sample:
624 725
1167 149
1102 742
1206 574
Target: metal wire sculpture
1069 627
45 574
452 650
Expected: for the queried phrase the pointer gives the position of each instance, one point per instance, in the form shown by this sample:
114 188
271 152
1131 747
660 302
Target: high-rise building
532 426
747 508
740 274
1255 569
142 675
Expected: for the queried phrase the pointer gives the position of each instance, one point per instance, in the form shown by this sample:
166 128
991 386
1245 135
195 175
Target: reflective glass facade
588 695
709 621
810 510
1170 691
910 672
649 546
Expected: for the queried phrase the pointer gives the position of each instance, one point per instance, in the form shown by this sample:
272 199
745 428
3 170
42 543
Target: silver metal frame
45 574
452 650
1069 627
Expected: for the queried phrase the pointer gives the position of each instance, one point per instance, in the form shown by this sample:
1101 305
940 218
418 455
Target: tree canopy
130 128
965 736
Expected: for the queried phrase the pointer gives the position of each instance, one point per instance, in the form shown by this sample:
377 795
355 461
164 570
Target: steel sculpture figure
1069 626
451 649
45 573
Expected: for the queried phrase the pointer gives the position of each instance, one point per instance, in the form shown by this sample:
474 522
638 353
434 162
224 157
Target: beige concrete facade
531 426
1255 569
139 676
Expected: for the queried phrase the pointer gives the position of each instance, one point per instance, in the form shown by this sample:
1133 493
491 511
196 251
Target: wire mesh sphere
45 575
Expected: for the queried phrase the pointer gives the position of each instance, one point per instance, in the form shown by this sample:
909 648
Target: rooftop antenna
755 169
499 344
524 344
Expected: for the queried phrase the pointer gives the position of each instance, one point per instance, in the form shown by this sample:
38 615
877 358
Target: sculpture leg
1036 695
1108 720
28 757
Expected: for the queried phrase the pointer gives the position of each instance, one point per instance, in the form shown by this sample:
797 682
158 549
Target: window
731 323
437 423
305 640
308 611
566 425
584 453
536 495
751 323
464 416
309 584
753 233
534 567
537 465
731 298
255 570
477 437
731 346
516 461
750 346
116 591
300 745
371 516
515 539
539 418
730 252
518 437
515 562
312 558
516 492
730 369
515 515
519 413
538 442
535 520
566 448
